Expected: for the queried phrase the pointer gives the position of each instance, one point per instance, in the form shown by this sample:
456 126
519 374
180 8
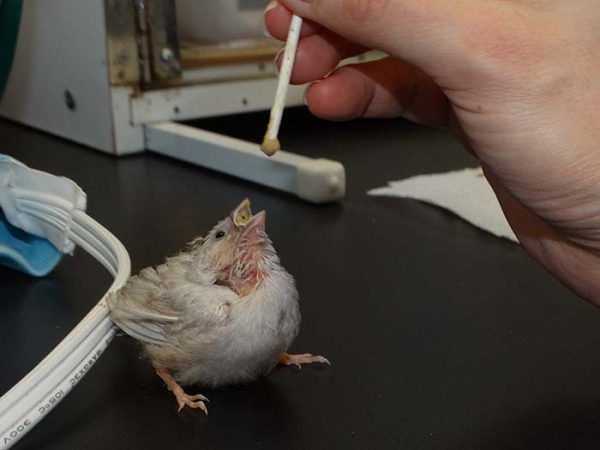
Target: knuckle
364 13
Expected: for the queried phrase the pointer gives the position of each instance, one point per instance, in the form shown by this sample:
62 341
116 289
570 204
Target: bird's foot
297 360
183 399
193 401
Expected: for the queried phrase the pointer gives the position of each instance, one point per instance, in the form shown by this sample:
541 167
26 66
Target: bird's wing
161 306
141 308
205 307
146 332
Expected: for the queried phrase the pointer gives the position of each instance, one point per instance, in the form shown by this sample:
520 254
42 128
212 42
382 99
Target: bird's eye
219 234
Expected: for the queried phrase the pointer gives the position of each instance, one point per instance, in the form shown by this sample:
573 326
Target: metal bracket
121 42
142 42
315 180
158 43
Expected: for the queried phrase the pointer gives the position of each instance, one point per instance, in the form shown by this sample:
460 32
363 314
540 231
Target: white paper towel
464 192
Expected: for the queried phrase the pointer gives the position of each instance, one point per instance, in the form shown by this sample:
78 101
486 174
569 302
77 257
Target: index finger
277 20
429 34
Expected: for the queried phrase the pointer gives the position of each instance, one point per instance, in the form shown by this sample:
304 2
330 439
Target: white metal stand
77 74
315 180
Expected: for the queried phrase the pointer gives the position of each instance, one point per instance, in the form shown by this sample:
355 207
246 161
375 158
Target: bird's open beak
255 226
242 213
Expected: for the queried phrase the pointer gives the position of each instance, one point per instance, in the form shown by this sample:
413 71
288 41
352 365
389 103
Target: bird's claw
321 359
193 401
306 358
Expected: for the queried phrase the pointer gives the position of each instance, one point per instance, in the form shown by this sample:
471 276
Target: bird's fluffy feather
203 332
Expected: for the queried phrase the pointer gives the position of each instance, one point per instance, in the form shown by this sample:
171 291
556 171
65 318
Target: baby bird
224 311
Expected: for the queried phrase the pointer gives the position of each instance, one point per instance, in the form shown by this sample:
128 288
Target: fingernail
272 4
278 58
265 32
308 88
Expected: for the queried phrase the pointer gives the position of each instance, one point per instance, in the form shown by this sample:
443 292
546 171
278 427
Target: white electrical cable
30 400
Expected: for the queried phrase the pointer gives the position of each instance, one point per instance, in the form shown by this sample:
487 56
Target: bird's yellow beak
242 214
255 225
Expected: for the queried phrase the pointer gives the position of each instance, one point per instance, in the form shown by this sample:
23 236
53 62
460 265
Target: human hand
517 81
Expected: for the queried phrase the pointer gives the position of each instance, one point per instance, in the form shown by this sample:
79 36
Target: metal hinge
142 42
158 46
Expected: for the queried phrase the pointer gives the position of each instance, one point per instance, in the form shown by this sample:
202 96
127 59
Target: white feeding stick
270 144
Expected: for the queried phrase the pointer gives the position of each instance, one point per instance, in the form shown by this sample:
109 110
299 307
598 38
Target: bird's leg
183 399
287 359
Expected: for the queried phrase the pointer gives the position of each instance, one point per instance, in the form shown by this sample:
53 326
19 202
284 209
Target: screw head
70 100
166 54
122 59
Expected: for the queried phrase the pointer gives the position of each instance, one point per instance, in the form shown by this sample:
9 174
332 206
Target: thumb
425 33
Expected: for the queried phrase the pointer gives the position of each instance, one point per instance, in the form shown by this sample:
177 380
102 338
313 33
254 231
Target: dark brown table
441 336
